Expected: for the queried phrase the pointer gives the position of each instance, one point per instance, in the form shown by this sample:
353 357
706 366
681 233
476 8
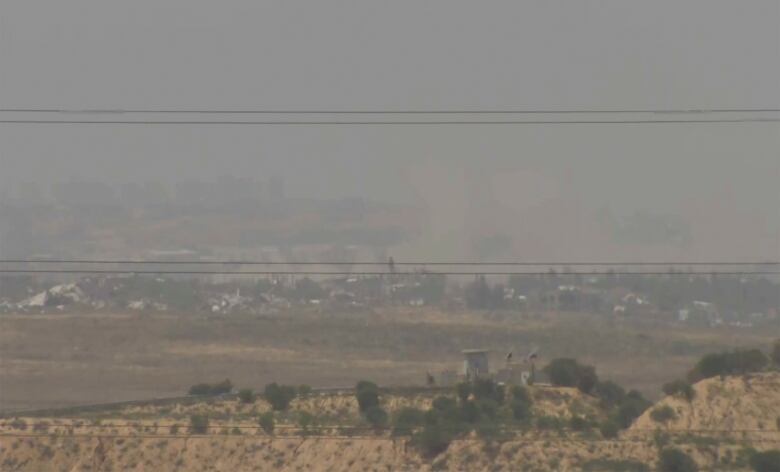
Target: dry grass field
65 359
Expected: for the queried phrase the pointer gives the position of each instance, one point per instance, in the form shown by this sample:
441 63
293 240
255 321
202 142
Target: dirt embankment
749 403
725 417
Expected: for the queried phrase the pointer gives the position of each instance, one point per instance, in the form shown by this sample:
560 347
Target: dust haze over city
483 179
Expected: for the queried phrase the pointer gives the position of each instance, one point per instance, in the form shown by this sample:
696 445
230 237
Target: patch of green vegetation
767 461
199 424
663 414
566 372
614 465
406 420
680 388
279 396
675 460
736 362
218 388
367 394
247 395
266 421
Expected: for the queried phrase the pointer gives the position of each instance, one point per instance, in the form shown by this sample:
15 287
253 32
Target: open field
60 360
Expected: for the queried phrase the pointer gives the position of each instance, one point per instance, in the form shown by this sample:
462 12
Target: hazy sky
442 54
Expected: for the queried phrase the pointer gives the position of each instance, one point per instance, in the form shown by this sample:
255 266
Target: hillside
156 438
748 403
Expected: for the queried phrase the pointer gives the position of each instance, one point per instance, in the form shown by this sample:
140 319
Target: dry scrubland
60 360
142 438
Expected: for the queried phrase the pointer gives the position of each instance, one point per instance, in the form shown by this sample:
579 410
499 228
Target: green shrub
578 423
266 421
680 388
212 389
609 429
613 465
776 353
663 414
304 390
661 439
767 461
432 440
226 386
444 404
489 409
610 393
550 423
407 419
521 404
367 394
728 363
674 460
463 390
246 395
279 396
469 412
305 420
199 424
488 431
633 405
565 372
487 389
376 416
588 379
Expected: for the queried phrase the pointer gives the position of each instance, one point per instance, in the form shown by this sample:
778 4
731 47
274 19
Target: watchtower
475 363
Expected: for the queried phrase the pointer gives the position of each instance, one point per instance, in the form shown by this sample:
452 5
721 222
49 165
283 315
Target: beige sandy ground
141 439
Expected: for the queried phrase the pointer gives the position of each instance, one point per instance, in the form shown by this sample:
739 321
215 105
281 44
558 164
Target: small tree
199 424
767 461
485 389
729 363
521 404
631 408
587 379
609 429
464 391
776 353
469 412
680 388
563 372
674 460
578 423
432 440
246 395
305 421
279 396
376 416
226 386
610 393
304 390
367 394
663 414
566 372
407 419
266 421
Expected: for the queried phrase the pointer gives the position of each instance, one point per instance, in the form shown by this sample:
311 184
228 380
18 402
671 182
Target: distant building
475 364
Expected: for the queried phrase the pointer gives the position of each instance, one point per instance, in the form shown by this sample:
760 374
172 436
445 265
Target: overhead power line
386 263
482 111
366 273
387 122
